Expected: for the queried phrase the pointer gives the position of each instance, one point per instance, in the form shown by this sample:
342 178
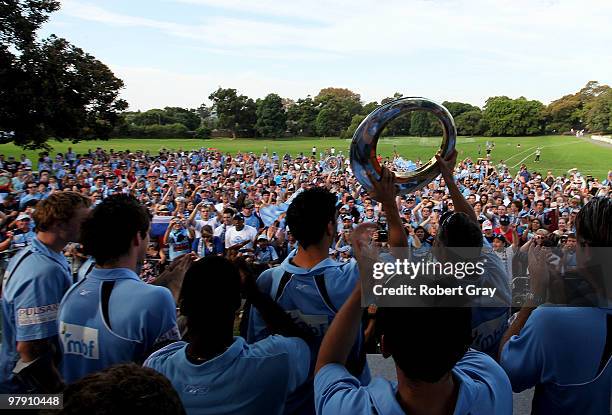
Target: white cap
23 216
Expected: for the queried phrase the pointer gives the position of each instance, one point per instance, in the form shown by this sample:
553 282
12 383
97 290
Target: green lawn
559 153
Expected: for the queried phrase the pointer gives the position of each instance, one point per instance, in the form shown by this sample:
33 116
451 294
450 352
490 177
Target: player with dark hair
437 372
112 316
244 378
460 239
126 388
309 285
564 351
34 283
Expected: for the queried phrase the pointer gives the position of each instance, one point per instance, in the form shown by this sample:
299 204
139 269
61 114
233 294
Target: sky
176 52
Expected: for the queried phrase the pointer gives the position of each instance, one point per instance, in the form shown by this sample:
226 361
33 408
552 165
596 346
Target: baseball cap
238 216
487 226
347 217
262 237
406 210
345 207
504 220
23 216
344 248
500 237
248 204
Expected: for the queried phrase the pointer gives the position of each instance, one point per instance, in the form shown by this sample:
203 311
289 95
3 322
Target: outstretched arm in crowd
384 191
340 336
446 168
539 276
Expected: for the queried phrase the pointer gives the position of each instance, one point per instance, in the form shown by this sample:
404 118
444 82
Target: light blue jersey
490 315
560 351
311 297
138 317
484 389
34 283
246 379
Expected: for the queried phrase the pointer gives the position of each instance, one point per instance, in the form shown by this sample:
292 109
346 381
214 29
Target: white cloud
472 48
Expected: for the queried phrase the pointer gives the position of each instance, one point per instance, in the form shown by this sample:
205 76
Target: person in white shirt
240 235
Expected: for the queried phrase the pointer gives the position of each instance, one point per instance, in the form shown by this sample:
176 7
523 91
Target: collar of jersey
221 361
41 248
113 274
293 269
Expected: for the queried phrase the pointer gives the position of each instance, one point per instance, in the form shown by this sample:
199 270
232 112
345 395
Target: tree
302 116
423 123
340 93
564 114
458 108
598 113
469 123
188 117
369 107
236 113
350 131
513 117
271 116
395 96
333 118
571 111
349 101
51 88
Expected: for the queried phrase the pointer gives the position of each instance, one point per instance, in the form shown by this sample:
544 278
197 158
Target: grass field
559 153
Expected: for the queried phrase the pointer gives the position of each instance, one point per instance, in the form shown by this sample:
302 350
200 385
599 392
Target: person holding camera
177 238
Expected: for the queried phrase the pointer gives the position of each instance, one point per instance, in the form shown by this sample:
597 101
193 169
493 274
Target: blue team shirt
141 316
484 389
30 301
246 379
302 300
559 351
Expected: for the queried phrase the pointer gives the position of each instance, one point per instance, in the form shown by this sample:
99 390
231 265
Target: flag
159 224
270 213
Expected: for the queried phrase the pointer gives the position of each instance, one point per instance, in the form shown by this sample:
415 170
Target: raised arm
446 169
384 191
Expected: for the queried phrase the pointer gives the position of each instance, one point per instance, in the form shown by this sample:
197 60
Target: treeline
338 112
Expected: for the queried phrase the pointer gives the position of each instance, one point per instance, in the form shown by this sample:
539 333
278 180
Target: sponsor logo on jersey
37 315
79 340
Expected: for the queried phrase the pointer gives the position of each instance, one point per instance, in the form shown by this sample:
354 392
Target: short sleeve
298 357
337 391
162 320
522 357
36 305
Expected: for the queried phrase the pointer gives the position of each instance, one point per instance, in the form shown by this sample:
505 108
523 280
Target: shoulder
148 295
34 267
275 345
481 367
159 359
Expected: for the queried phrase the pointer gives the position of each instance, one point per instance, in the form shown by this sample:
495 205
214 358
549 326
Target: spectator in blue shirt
36 279
565 351
217 373
112 316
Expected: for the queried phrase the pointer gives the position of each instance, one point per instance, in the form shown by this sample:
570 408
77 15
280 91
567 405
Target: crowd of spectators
286 233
